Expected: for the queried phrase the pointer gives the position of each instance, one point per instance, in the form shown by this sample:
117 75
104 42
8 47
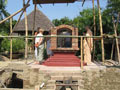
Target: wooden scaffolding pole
81 52
64 36
112 50
94 18
10 39
26 33
35 7
101 30
83 2
14 14
115 31
21 15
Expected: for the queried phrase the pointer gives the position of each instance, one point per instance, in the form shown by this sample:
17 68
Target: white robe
88 46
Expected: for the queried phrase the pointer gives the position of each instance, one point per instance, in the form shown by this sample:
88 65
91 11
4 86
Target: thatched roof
40 21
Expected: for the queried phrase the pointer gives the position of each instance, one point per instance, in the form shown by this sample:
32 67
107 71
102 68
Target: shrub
18 44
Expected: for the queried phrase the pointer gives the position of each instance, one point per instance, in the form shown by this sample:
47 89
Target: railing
80 37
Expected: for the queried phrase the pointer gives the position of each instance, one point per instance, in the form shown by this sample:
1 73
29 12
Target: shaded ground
3 58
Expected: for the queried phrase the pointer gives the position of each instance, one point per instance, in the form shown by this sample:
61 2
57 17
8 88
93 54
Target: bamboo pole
101 31
81 53
34 19
93 3
20 16
14 14
45 45
83 2
117 20
112 50
10 39
26 33
95 37
94 18
115 31
18 20
35 7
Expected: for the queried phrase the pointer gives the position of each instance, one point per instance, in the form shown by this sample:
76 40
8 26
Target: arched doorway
64 42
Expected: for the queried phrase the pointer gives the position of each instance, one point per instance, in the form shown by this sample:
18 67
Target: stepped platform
63 60
57 75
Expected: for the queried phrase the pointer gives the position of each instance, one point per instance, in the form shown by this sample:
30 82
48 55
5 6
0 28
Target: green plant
17 45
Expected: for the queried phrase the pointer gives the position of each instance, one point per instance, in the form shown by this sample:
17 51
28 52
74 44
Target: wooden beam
18 20
52 1
33 40
94 18
117 20
2 84
14 14
26 33
115 31
20 16
94 23
10 39
95 37
101 31
112 50
83 2
35 7
67 85
81 53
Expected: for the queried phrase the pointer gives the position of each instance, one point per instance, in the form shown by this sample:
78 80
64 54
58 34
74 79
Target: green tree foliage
18 44
107 23
4 27
3 11
85 19
113 7
64 20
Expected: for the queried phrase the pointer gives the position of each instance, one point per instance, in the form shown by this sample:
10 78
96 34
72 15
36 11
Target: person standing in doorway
88 46
39 44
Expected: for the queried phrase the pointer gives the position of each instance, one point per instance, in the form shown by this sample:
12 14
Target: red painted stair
63 59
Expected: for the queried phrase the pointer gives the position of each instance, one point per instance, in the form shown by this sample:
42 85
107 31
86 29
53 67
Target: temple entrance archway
64 42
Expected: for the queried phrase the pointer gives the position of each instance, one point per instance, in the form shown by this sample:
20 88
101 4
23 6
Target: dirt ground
4 61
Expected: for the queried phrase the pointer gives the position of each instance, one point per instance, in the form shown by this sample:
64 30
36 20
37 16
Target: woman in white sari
88 46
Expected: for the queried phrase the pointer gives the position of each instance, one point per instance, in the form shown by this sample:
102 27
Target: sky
56 11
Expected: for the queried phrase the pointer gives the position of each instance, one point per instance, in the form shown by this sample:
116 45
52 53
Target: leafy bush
18 44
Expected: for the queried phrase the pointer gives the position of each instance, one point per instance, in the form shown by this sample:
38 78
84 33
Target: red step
69 59
62 64
63 59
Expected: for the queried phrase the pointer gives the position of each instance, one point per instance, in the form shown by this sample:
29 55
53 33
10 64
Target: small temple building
63 48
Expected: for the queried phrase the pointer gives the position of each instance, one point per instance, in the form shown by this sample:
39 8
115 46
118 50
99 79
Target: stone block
34 76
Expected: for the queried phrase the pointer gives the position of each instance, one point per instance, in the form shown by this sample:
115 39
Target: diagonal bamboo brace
14 13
